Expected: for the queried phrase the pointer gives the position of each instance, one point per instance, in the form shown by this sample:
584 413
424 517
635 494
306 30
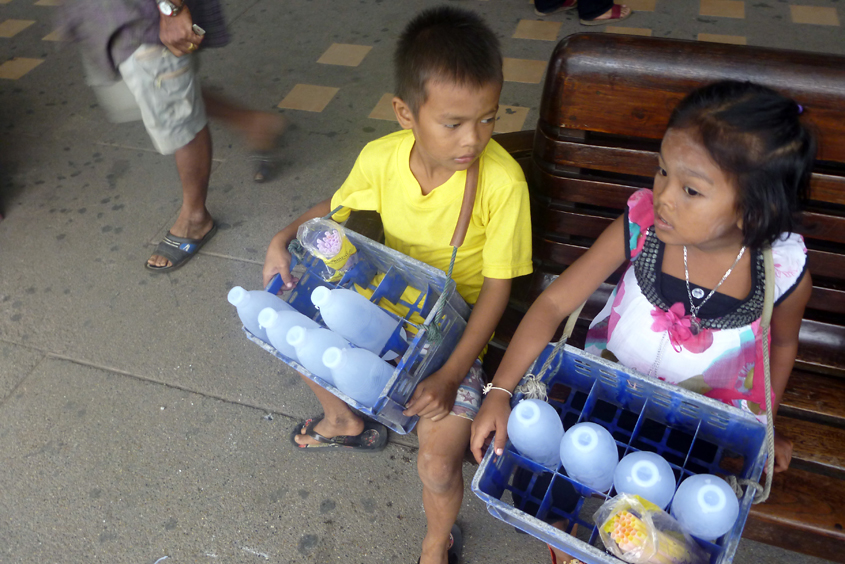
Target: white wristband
489 387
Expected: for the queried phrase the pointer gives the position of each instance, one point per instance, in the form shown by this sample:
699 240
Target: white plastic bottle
589 455
310 344
646 474
358 373
250 303
354 317
278 323
706 506
535 429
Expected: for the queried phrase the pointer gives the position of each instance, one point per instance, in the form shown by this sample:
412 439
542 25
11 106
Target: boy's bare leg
193 161
440 461
259 129
339 419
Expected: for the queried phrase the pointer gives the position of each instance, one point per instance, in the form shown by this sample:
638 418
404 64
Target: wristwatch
168 8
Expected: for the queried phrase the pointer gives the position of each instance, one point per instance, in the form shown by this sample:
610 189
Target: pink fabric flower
678 326
641 208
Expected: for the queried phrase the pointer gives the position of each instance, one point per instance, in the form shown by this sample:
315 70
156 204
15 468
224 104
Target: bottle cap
320 296
295 336
527 413
711 498
267 317
584 438
645 474
332 357
237 296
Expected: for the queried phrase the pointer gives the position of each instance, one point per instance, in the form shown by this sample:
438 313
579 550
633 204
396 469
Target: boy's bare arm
277 260
435 396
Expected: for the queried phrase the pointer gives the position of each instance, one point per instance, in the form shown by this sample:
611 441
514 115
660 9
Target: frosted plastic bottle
358 373
535 429
278 323
589 455
357 319
310 344
646 474
706 506
250 303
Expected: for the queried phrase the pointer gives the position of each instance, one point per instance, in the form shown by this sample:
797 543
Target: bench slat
581 190
628 85
814 397
816 445
805 512
641 162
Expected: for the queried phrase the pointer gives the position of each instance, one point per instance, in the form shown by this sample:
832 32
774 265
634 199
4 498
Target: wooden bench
605 106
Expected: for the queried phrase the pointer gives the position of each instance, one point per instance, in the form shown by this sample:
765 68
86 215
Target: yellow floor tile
543 31
716 38
814 15
645 32
56 35
384 109
723 8
344 54
640 5
308 97
17 67
524 70
10 28
49 3
510 118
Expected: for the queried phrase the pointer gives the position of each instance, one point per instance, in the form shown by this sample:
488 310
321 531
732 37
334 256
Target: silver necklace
695 326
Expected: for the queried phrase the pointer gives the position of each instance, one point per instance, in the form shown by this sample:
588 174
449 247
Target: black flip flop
372 439
179 250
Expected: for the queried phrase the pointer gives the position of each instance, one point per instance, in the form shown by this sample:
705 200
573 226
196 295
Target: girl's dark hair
449 44
755 136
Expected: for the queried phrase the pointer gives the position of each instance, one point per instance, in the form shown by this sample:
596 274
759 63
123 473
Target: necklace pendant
698 293
694 327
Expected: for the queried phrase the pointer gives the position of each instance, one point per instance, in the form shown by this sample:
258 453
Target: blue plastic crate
695 434
418 358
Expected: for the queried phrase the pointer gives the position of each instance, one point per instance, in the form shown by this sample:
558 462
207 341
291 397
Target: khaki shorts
165 89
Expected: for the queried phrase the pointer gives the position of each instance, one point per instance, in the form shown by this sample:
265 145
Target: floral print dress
645 323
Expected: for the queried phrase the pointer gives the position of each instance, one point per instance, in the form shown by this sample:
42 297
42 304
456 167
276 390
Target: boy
449 77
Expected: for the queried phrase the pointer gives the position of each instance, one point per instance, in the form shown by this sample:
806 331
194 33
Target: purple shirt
109 31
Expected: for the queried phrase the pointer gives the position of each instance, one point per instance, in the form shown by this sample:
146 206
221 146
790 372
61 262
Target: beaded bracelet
489 387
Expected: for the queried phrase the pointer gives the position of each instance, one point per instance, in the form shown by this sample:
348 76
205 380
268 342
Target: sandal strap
309 431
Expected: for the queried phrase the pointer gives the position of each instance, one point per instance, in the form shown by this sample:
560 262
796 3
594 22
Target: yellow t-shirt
498 241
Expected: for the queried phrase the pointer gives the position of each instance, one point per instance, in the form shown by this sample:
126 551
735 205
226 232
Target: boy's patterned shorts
468 400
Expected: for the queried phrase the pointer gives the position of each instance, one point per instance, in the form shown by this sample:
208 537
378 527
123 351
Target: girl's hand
277 261
434 397
491 418
783 452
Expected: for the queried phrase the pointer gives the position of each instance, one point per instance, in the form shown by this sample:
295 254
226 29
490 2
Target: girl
734 166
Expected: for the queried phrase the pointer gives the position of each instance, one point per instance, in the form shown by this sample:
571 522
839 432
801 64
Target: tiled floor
778 24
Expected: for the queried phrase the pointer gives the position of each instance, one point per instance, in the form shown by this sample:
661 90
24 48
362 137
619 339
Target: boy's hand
177 34
277 261
434 397
783 452
491 418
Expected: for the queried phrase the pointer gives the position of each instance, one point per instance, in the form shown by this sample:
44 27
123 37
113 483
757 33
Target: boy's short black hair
754 135
448 44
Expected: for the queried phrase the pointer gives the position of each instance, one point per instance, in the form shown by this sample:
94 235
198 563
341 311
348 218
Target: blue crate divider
695 434
417 359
